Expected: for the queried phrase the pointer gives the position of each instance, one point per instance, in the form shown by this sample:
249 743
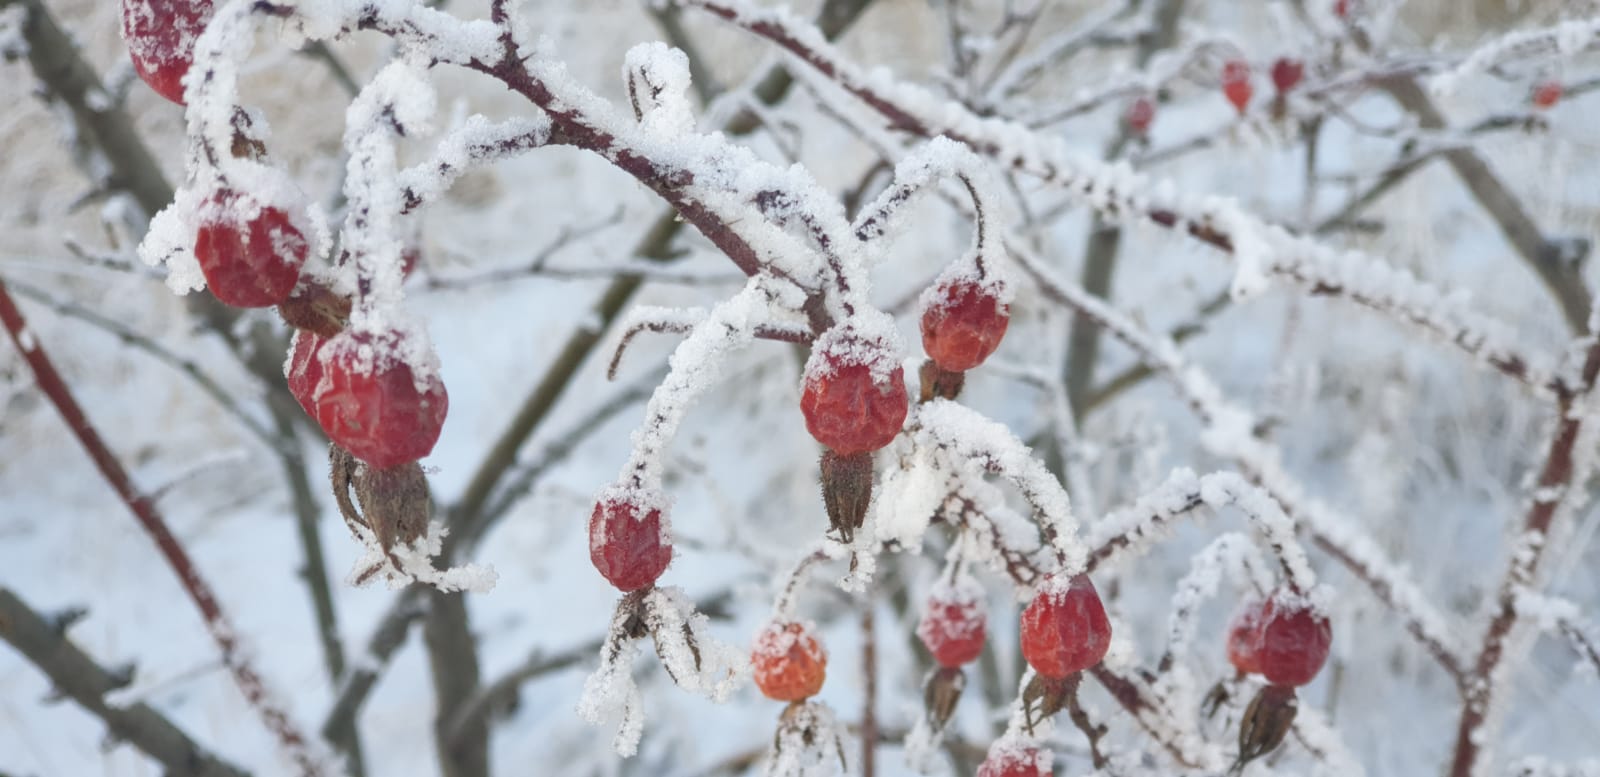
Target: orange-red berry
789 662
250 253
1009 760
850 409
1236 84
628 542
1546 94
952 628
372 404
160 35
963 324
1294 641
1141 112
1244 636
1065 629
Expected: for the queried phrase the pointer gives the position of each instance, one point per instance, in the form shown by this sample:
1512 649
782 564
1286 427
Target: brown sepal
846 491
940 382
940 695
393 503
315 308
1266 721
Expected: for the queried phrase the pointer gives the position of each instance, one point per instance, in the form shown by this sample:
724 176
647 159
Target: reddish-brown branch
150 519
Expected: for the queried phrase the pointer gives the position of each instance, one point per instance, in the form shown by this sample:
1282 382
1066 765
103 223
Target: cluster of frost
404 564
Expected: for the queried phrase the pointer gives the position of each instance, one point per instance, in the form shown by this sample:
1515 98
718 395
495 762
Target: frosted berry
160 35
1341 8
952 628
1065 629
849 409
628 543
1546 94
789 662
1010 760
963 324
1286 73
1294 642
304 369
369 402
250 253
1140 113
1236 84
1244 638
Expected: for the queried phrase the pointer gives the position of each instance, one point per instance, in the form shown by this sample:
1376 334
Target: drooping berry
1236 84
160 35
1007 758
789 662
1294 641
1546 94
628 540
1141 112
1341 8
952 628
373 404
854 392
1286 73
250 253
1065 629
304 369
963 322
1244 637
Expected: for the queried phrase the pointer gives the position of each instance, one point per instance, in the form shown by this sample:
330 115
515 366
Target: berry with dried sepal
1064 628
1294 641
1244 638
952 628
1546 94
1236 84
1287 73
1008 758
370 400
629 539
789 661
1141 112
854 392
250 253
963 321
160 35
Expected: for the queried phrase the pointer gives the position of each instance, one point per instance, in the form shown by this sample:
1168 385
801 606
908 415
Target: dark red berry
1236 84
854 395
1294 641
1341 8
304 369
250 253
1286 73
1546 94
627 541
1141 112
1008 759
963 324
369 401
1244 637
952 628
1065 629
789 662
160 35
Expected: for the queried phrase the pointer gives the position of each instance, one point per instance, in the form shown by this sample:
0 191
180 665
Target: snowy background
1417 445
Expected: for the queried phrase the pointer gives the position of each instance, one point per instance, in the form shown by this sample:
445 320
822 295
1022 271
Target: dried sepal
846 491
1044 696
938 382
1266 721
941 694
807 742
317 309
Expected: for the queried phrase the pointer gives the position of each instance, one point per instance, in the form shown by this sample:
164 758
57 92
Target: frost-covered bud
629 540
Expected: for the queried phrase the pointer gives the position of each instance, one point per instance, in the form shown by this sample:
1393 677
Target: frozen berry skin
376 411
249 262
1236 84
1546 94
304 369
160 35
963 324
1065 629
628 543
1244 638
1015 762
952 628
789 662
850 412
1141 112
1286 73
1294 642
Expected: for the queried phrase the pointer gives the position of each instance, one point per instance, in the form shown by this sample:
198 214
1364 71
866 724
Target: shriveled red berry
1286 73
1141 112
369 401
628 541
1236 84
1244 637
854 394
304 369
160 35
1294 641
963 324
1008 759
1546 94
789 662
952 628
1065 629
250 253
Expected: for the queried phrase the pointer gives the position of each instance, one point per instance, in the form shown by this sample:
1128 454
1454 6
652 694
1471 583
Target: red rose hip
1294 641
789 662
963 324
1286 73
952 628
304 369
854 394
628 541
372 404
250 253
1236 84
1141 112
1065 629
1008 759
1244 638
160 35
1546 94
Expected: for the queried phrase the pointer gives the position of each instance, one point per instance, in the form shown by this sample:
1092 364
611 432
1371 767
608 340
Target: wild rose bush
1190 390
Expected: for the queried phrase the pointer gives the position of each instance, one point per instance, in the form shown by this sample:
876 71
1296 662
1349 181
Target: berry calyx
1294 641
846 491
854 393
1009 759
789 662
317 308
1244 637
1546 94
304 369
628 540
963 322
1286 73
1266 722
1141 112
160 35
250 253
952 628
373 404
1236 84
1064 628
